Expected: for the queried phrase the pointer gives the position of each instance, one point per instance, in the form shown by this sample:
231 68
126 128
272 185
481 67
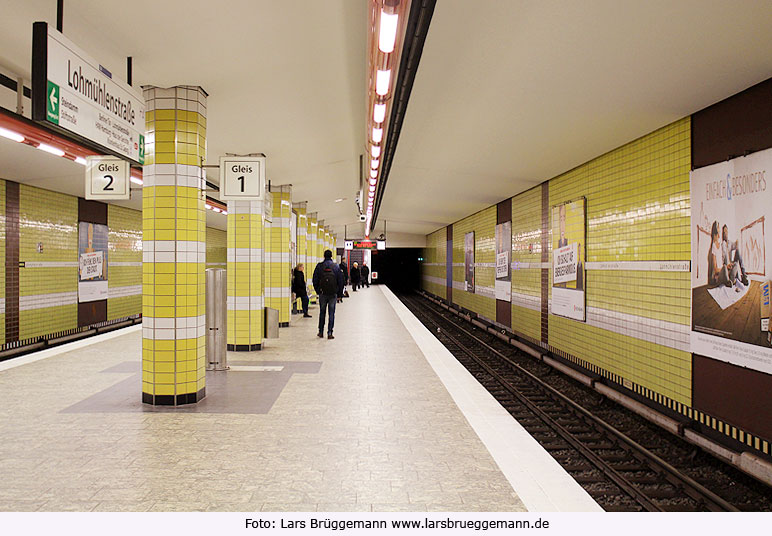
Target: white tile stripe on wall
646 266
526 301
122 292
660 332
41 301
51 264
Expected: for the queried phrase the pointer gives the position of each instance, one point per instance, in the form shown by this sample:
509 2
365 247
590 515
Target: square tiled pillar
312 248
246 220
277 288
174 247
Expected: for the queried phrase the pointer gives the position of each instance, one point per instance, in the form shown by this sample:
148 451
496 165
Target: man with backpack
328 282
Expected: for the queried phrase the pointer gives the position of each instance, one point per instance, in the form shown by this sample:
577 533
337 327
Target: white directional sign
74 92
242 178
107 177
348 244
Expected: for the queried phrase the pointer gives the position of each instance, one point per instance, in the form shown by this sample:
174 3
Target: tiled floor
361 422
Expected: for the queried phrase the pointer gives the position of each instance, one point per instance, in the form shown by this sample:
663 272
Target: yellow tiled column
277 289
311 248
174 247
302 245
245 275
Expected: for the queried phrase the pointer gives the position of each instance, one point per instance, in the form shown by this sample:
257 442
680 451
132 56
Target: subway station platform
382 418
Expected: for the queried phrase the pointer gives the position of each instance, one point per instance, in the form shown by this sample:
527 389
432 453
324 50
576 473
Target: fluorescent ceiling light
375 151
382 79
372 188
49 149
373 173
208 206
80 160
379 113
373 181
339 199
215 209
377 134
11 135
374 163
387 35
136 180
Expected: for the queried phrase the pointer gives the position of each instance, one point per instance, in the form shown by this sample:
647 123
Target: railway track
620 473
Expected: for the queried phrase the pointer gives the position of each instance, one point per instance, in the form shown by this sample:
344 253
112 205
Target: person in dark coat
344 269
328 282
355 276
364 271
299 287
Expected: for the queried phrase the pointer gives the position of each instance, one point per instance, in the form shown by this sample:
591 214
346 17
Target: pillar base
173 400
244 347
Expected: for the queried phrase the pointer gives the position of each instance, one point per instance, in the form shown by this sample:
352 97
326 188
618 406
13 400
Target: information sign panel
107 177
242 178
73 92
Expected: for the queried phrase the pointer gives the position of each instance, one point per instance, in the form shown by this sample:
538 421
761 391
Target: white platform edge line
67 347
540 482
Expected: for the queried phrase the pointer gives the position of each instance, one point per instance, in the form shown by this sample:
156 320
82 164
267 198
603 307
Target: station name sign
73 92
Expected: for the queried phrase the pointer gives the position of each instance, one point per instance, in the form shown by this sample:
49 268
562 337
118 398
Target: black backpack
328 281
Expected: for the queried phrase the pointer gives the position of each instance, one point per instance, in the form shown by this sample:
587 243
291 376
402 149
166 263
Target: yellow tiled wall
527 258
125 262
637 199
434 263
637 210
483 300
216 248
48 286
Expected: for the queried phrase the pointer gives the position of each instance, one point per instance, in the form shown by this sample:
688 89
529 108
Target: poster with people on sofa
731 271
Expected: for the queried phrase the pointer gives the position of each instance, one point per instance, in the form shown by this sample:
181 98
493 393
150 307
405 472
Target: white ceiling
508 93
286 78
511 93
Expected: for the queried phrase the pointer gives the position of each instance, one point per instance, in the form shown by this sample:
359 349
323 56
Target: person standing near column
355 276
365 273
328 280
299 288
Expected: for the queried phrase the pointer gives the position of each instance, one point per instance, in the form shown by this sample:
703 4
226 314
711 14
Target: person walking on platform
344 270
299 288
365 273
355 276
328 280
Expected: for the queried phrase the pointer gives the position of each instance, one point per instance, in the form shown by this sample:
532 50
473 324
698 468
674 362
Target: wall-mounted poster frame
569 232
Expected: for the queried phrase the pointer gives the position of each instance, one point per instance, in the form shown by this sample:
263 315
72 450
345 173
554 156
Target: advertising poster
568 240
469 262
92 262
504 261
730 269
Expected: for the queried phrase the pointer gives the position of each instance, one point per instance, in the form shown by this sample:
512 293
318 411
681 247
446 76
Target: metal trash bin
216 320
271 326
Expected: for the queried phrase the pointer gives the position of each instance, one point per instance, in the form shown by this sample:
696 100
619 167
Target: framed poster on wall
568 243
731 270
504 261
469 262
92 262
